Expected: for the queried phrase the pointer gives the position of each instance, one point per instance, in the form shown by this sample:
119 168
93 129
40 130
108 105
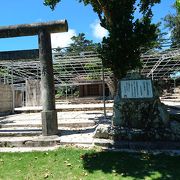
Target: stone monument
137 104
138 114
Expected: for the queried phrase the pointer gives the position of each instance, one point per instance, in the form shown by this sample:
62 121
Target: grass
71 163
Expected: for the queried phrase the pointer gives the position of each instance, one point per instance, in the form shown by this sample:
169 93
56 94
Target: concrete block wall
6 99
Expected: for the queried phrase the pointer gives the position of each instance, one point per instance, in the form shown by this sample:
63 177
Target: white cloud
62 39
98 31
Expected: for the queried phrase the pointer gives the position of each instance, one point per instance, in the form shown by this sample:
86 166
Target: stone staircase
24 131
17 137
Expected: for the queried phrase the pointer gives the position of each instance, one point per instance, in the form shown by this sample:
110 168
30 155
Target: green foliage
4 72
178 5
61 92
81 44
173 23
95 72
127 36
67 90
76 93
51 3
121 50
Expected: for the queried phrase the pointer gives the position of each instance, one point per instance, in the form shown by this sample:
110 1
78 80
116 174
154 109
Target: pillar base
49 123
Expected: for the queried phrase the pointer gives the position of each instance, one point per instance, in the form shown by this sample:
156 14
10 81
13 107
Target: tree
80 43
173 23
178 6
121 50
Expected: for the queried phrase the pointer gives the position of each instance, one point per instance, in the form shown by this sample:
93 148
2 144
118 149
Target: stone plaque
134 89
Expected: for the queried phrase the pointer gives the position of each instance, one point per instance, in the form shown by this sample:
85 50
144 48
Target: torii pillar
43 30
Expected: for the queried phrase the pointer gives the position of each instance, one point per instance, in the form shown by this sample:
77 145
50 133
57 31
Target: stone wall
6 99
33 93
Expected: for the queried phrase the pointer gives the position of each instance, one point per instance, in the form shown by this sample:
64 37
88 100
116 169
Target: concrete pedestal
49 122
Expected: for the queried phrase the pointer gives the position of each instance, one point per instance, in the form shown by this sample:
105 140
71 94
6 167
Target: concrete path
65 119
173 104
75 127
68 107
24 130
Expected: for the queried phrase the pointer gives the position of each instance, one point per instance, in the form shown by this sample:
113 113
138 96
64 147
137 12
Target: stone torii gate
43 30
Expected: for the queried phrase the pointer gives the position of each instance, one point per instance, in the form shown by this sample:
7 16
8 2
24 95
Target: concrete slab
65 119
67 107
84 136
172 103
34 141
27 149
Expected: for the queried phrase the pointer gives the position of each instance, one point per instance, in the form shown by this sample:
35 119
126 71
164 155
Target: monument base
49 123
140 114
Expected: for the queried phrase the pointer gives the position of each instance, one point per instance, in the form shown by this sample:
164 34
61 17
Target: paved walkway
75 127
30 119
173 104
83 107
69 107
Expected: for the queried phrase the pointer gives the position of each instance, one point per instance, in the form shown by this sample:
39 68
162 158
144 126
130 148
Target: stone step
170 97
28 149
34 141
67 108
171 100
173 94
83 138
19 137
78 124
34 131
19 132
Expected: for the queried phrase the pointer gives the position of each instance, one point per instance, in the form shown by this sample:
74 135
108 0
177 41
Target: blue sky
80 19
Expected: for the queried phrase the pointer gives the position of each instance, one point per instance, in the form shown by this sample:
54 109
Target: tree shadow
101 118
134 165
64 132
4 118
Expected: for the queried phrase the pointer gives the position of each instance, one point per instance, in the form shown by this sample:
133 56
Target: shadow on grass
134 165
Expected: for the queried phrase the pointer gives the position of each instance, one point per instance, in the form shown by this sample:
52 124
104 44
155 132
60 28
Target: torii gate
43 30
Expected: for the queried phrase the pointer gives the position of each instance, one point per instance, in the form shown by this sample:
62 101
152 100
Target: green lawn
71 163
